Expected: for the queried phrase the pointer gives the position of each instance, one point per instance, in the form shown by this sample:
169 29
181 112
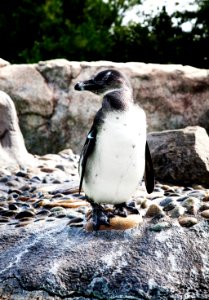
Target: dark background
88 30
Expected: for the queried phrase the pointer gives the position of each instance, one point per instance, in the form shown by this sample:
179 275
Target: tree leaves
93 30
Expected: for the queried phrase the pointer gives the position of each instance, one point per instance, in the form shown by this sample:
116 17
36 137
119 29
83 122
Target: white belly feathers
117 164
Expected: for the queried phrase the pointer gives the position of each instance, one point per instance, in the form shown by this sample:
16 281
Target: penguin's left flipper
88 147
149 177
86 152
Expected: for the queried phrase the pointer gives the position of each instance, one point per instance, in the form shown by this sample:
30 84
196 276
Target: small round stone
144 203
56 181
21 174
25 187
22 224
204 206
23 198
57 209
181 199
4 179
61 167
186 221
47 170
40 203
7 213
177 212
165 187
206 198
205 214
118 223
24 214
170 206
43 212
153 210
4 219
166 201
197 194
191 204
76 222
160 226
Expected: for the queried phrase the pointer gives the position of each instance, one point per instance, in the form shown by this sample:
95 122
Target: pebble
4 219
186 221
177 212
153 210
43 212
166 201
58 212
198 194
191 204
7 213
28 197
181 199
4 179
144 203
40 203
204 206
22 224
24 214
21 174
47 170
206 198
170 206
160 226
205 214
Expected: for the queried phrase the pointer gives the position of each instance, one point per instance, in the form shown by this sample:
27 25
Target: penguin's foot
100 216
123 209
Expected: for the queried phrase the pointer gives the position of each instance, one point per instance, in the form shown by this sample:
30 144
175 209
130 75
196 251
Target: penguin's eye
107 76
102 77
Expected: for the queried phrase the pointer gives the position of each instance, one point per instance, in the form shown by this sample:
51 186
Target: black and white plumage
115 156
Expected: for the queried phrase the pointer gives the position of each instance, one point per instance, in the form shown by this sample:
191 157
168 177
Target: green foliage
94 30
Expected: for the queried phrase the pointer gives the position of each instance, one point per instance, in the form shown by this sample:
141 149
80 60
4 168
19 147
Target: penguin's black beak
88 85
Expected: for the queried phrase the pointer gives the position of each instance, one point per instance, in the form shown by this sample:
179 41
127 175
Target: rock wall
53 116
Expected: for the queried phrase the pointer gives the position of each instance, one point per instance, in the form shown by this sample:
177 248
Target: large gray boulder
53 116
57 262
181 156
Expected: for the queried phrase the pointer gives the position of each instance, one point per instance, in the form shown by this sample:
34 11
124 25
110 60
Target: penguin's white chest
117 164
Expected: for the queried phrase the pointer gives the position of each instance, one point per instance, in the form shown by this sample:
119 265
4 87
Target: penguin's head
103 82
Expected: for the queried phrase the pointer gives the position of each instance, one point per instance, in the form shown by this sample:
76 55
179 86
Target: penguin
115 155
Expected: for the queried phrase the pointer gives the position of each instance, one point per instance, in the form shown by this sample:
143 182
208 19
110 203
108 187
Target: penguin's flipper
88 147
149 171
86 152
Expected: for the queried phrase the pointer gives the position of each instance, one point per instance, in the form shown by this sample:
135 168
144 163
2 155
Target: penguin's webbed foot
122 209
100 216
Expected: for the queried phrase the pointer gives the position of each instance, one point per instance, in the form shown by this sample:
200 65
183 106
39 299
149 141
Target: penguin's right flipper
149 177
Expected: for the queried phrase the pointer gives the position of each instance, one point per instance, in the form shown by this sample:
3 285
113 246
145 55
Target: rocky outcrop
57 262
13 152
181 156
47 252
53 116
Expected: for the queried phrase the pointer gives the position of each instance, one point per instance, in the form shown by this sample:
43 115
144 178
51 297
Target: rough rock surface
52 115
57 262
12 146
181 156
46 254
